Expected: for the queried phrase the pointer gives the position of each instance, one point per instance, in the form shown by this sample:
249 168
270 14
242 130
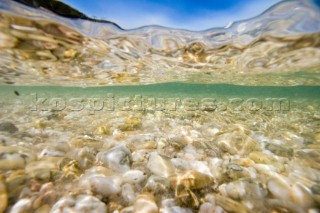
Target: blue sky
187 14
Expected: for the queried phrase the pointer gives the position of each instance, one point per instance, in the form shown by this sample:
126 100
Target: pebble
206 208
160 165
140 155
199 166
82 203
15 182
43 209
47 196
130 124
51 152
128 209
218 209
103 185
103 130
8 127
280 150
102 181
176 209
157 184
13 157
284 189
216 168
192 180
141 141
128 194
133 176
230 205
210 199
315 189
85 157
117 159
3 195
23 205
145 203
237 143
167 203
186 183
43 169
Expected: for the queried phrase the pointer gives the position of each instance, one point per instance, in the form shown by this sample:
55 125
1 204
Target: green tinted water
190 96
170 89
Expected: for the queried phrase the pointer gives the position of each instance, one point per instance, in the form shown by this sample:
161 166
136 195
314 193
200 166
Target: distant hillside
60 8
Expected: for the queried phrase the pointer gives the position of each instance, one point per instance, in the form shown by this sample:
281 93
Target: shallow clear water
97 118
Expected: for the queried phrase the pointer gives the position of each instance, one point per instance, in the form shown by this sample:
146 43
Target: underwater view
98 118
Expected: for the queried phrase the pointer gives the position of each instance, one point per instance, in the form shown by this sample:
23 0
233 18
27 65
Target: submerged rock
101 181
186 183
286 190
160 165
280 150
47 196
42 170
206 208
145 203
103 185
15 182
134 176
3 195
130 124
230 205
8 127
13 157
103 130
176 209
251 194
157 184
128 194
82 203
117 159
23 205
237 142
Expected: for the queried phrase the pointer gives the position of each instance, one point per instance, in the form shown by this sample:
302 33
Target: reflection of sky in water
283 39
188 14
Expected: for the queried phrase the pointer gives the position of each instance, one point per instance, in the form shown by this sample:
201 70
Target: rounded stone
12 157
103 185
8 127
145 204
160 165
133 176
82 203
117 159
23 205
3 195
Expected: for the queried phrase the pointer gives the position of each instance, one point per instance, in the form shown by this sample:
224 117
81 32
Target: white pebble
160 166
133 176
206 208
145 204
118 158
104 185
83 203
21 206
127 193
